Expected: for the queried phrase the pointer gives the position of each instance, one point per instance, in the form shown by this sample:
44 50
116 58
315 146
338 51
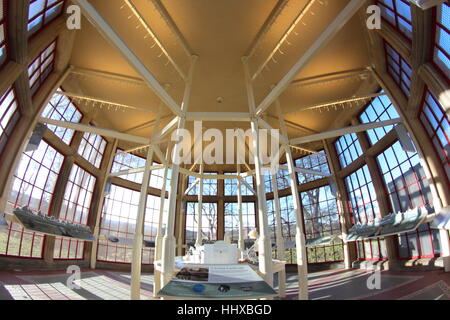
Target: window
156 178
3 53
364 208
232 219
119 220
209 185
321 216
379 109
9 114
41 67
316 162
288 225
437 125
33 186
399 69
209 222
231 185
125 161
408 188
282 178
75 209
442 40
92 147
42 12
348 149
62 108
398 14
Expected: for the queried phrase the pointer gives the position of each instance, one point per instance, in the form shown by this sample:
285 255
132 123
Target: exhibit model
226 149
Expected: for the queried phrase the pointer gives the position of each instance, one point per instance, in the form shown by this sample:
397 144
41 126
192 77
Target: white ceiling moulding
109 34
95 130
343 131
102 103
341 20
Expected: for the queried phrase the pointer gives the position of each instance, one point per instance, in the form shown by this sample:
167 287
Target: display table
200 281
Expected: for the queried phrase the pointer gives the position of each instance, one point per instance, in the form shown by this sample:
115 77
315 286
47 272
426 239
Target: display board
442 220
392 224
238 281
51 226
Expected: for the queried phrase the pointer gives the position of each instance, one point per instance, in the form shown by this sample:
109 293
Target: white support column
159 232
279 237
168 252
199 239
302 264
264 245
241 243
136 264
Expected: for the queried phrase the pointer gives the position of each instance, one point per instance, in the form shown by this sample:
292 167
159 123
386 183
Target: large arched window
9 115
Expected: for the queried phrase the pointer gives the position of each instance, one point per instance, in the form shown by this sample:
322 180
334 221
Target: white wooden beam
300 240
136 170
241 243
343 131
265 243
249 187
199 238
333 29
306 171
284 38
169 241
109 34
218 116
95 130
192 186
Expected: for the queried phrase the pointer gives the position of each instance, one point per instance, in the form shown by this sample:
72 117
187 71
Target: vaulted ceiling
220 33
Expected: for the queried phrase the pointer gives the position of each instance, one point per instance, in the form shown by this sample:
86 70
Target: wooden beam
218 116
109 34
95 130
334 76
281 4
343 131
173 27
333 29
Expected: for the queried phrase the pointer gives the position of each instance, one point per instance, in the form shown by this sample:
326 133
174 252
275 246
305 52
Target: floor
328 285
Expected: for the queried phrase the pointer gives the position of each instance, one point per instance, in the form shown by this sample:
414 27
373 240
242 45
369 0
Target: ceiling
220 33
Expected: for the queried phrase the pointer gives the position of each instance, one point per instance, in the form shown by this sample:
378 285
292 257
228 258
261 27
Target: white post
199 239
264 245
241 243
136 264
168 247
279 237
159 232
300 241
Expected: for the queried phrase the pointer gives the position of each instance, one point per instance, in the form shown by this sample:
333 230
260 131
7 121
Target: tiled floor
329 285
